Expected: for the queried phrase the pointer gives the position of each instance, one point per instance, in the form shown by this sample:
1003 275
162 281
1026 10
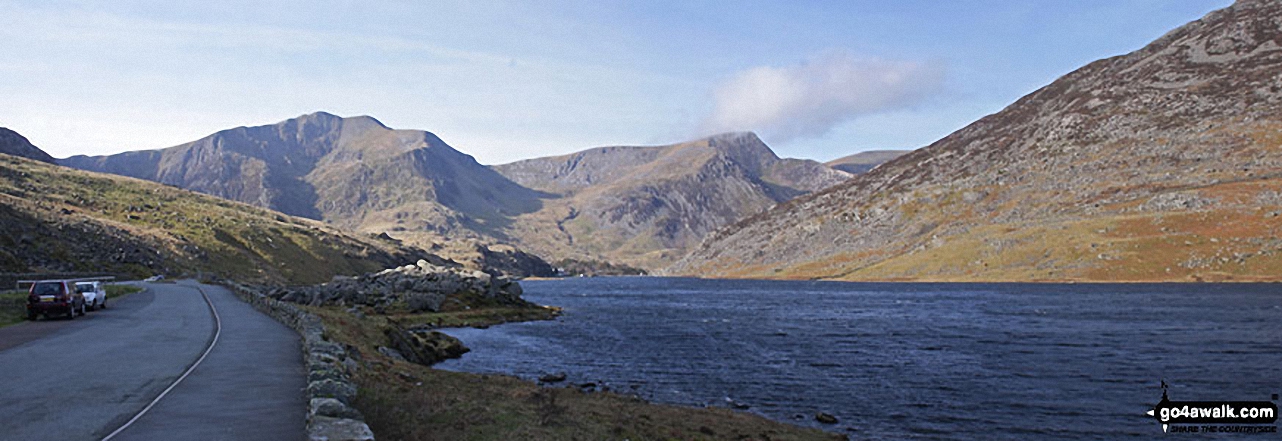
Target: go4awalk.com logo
1215 416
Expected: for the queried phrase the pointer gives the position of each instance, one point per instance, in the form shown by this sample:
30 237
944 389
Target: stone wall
330 391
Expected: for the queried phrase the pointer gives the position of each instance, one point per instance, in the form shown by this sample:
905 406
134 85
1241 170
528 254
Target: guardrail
28 283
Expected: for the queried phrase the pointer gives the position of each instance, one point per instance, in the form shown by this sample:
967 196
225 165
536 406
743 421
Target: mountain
631 205
646 206
55 220
863 161
354 173
1162 164
11 143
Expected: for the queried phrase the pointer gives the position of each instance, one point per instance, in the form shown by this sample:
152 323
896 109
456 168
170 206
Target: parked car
95 294
155 278
54 297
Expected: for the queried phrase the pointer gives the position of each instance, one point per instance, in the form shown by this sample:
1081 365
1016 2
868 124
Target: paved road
81 379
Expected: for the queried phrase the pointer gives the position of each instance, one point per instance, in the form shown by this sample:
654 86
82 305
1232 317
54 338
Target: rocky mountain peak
744 148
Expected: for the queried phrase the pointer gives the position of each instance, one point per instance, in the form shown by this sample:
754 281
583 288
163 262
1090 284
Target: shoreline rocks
424 347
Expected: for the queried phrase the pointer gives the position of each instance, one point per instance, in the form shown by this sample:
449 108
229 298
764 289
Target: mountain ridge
630 205
645 206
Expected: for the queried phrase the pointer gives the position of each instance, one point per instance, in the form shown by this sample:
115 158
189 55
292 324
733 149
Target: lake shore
404 400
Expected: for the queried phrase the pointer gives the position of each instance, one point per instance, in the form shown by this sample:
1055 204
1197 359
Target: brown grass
1236 238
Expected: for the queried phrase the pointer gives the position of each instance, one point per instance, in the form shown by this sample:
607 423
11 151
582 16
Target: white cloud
811 98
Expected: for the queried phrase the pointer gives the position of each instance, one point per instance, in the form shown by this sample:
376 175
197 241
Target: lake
904 360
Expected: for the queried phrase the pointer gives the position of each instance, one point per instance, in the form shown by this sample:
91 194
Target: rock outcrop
422 287
424 346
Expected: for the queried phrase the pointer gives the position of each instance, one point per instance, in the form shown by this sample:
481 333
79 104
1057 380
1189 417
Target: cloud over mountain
810 98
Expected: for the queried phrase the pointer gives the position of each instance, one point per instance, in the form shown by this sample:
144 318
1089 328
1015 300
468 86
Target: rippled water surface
966 361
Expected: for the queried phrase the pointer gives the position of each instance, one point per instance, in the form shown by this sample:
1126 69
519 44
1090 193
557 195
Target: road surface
82 379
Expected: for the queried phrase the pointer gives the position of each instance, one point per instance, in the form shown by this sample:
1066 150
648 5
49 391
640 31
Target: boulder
329 407
339 390
825 418
424 347
552 378
322 428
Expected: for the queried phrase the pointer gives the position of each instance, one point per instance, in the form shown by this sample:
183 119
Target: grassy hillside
1236 240
1159 165
54 218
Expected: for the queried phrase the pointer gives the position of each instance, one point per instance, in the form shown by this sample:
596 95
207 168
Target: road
82 379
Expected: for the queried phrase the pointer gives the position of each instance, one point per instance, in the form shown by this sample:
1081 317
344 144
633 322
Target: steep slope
1163 164
645 206
863 161
11 143
56 219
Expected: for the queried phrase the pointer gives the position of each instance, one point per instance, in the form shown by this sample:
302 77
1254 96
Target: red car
50 297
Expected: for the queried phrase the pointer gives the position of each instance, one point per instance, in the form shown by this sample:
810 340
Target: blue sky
511 80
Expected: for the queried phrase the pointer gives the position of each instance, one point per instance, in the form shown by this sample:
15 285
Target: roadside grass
117 292
13 307
402 400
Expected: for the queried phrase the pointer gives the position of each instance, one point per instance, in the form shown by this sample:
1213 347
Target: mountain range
638 206
1161 164
646 206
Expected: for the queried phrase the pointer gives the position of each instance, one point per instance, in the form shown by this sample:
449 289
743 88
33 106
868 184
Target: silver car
95 294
